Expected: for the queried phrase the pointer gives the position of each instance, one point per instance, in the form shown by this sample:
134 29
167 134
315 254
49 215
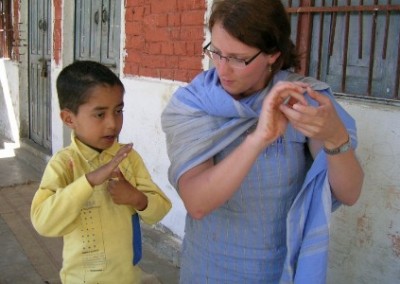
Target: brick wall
164 38
16 37
57 32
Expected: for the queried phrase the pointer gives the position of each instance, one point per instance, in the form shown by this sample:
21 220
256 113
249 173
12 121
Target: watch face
341 149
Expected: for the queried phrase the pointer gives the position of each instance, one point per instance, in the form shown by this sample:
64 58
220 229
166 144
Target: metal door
39 72
97 31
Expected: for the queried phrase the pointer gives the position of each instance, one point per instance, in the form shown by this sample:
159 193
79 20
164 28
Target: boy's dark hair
75 81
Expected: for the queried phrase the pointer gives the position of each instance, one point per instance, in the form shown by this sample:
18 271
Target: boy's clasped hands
121 191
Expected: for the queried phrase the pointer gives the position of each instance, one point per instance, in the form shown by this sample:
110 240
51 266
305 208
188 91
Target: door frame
39 72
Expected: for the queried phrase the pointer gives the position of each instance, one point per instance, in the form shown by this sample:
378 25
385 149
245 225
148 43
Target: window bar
397 83
385 40
345 49
333 30
321 25
303 42
344 9
372 52
289 6
361 31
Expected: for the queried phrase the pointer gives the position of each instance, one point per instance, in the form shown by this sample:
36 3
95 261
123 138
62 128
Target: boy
93 191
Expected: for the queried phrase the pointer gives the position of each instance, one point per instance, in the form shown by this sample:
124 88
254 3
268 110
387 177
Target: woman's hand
272 122
320 123
323 125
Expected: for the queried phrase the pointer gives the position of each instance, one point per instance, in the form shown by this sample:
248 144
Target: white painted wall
9 101
365 238
144 101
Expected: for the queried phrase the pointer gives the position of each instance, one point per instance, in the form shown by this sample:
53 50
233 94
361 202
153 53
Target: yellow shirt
97 233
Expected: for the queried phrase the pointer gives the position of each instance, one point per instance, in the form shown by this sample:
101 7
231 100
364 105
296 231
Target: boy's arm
57 204
158 204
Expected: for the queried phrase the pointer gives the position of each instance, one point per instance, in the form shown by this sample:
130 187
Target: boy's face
99 120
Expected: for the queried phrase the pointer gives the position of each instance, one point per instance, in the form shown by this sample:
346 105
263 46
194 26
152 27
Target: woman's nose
223 66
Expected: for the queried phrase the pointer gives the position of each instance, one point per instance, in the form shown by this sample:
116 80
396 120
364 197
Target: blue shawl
201 119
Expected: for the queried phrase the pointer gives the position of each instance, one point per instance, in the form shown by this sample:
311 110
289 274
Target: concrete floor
26 257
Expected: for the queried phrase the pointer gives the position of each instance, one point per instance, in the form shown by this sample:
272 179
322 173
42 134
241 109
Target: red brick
190 63
131 69
191 5
135 3
190 48
148 72
180 48
161 20
154 48
193 32
153 61
135 42
193 18
150 21
164 43
174 19
175 33
167 48
133 57
192 74
133 28
163 6
156 35
172 61
181 75
167 74
137 13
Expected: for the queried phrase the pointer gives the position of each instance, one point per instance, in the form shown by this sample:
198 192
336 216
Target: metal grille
354 45
6 32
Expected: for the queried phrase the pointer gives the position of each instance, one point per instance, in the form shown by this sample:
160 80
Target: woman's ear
274 57
67 117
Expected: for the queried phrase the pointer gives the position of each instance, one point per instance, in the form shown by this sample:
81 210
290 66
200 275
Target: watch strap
346 146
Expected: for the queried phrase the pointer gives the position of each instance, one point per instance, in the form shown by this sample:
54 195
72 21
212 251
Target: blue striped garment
257 235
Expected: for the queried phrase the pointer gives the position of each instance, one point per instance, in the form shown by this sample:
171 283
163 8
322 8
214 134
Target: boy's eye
99 115
119 111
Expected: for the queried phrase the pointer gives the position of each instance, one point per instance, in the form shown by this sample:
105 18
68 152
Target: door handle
42 25
104 16
44 70
96 17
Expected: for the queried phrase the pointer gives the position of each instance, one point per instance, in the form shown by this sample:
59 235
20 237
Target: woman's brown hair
259 23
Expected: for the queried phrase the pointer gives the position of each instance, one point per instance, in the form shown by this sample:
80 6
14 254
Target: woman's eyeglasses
231 61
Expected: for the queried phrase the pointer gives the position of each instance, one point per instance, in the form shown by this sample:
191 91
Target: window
353 45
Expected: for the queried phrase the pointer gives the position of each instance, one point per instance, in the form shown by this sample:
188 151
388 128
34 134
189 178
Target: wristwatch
346 146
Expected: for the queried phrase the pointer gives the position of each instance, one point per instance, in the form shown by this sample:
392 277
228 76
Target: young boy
93 191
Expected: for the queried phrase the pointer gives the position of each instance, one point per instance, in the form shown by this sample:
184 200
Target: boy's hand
105 172
122 192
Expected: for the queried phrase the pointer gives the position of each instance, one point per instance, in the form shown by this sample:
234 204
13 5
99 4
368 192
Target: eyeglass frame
207 52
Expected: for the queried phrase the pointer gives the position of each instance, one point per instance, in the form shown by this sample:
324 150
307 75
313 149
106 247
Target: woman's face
240 82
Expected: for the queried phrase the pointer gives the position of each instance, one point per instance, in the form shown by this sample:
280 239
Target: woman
239 138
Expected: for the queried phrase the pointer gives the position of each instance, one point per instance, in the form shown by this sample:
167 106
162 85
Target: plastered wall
365 238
